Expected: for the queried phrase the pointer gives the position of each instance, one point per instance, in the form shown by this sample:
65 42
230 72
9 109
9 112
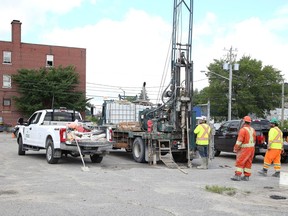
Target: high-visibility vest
275 138
203 133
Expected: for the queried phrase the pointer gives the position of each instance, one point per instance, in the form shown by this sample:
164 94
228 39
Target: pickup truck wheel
50 152
20 146
217 153
96 158
284 159
138 150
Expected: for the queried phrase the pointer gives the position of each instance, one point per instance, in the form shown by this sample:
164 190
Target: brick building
16 55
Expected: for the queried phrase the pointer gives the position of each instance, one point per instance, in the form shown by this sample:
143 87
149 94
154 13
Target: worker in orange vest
244 149
202 141
274 149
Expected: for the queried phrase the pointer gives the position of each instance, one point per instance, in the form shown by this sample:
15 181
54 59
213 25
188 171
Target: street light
215 74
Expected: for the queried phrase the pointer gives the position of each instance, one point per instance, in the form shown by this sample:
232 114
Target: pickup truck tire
138 150
96 158
20 146
284 159
217 153
50 152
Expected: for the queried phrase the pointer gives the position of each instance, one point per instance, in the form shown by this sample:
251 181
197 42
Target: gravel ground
119 186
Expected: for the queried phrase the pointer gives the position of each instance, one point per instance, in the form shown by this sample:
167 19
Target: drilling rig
165 132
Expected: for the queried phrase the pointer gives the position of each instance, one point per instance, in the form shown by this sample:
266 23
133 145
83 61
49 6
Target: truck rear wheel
138 150
50 152
20 146
96 158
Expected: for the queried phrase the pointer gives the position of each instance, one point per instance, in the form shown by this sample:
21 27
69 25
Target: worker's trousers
203 150
273 156
244 160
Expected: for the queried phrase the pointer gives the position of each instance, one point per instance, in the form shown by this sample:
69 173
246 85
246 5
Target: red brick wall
33 56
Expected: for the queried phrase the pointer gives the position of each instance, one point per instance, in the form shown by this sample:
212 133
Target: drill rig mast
167 129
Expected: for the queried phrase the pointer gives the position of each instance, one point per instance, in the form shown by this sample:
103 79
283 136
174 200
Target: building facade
16 55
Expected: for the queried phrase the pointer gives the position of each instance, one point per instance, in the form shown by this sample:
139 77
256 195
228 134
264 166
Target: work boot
236 178
207 162
245 178
276 174
204 164
263 172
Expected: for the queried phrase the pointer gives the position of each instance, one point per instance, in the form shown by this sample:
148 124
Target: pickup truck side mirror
20 121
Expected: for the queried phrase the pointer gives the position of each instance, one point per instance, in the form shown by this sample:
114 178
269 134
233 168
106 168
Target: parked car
225 137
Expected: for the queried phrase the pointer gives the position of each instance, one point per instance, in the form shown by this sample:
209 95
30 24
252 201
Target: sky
127 41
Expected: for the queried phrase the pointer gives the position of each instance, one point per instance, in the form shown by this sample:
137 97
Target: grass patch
221 190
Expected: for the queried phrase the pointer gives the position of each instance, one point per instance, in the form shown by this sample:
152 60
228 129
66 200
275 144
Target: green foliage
143 95
130 98
285 126
94 119
48 88
255 89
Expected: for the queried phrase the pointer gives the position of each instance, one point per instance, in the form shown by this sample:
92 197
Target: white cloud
252 36
121 53
133 50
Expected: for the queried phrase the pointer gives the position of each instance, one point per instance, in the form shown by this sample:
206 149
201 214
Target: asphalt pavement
120 186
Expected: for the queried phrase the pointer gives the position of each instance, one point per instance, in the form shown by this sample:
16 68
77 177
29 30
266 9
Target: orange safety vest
275 140
246 142
203 132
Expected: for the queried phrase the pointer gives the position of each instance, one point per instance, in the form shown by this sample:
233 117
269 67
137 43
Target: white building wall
277 113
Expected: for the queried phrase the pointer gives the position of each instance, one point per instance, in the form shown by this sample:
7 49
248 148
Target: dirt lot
119 186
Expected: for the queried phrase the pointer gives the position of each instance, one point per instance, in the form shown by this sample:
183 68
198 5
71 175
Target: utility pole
231 57
282 110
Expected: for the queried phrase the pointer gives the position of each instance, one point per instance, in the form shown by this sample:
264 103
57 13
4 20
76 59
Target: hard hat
247 119
274 120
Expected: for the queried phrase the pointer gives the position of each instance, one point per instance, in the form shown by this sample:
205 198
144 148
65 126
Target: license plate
262 150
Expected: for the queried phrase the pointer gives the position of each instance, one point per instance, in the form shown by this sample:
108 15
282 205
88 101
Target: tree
255 89
143 95
48 88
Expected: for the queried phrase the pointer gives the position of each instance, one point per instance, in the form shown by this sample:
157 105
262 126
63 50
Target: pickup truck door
31 136
226 136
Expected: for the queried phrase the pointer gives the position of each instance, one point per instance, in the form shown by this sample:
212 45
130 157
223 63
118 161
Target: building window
7 57
6 102
6 81
49 60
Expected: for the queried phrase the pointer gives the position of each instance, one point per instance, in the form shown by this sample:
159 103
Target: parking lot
119 186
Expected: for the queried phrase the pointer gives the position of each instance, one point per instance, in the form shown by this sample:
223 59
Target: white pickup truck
47 129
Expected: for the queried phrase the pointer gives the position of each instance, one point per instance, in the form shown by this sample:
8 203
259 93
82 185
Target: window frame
7 100
49 60
7 55
7 81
